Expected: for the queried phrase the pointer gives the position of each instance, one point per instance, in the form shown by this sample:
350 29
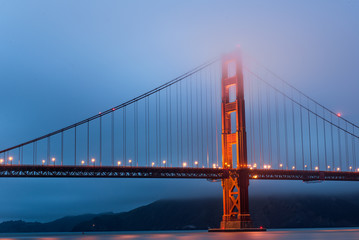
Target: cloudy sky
63 61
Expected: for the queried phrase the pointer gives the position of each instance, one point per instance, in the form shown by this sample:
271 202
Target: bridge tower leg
236 215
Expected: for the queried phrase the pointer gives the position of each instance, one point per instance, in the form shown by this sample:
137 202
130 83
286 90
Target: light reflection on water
293 234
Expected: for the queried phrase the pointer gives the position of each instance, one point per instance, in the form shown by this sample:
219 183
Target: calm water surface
295 234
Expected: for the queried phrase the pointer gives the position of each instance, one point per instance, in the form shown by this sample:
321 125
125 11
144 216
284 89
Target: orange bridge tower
236 215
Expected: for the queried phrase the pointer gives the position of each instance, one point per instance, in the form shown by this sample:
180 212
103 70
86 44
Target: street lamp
53 160
152 164
43 162
196 163
118 163
93 161
130 162
164 163
82 162
1 161
184 164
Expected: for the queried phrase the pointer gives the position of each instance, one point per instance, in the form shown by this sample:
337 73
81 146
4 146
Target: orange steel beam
235 188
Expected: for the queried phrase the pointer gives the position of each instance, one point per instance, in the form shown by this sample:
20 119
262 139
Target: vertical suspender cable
310 142
171 140
62 148
124 135
260 127
301 135
113 138
156 122
192 116
48 151
201 114
206 116
167 128
178 128
101 141
316 128
187 123
75 148
294 138
159 129
340 145
285 131
269 130
277 127
332 138
197 118
216 114
212 127
346 148
325 142
353 150
146 151
134 134
148 130
181 122
88 143
252 121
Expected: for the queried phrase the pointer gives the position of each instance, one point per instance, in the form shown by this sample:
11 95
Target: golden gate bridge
224 120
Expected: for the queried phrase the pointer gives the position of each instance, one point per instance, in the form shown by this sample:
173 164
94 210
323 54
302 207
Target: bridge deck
169 172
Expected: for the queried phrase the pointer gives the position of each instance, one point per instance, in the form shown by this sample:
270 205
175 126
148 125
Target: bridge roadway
51 171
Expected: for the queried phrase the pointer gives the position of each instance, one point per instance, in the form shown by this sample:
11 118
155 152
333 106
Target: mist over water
296 234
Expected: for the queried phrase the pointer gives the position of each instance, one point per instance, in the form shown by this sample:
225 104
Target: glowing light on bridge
255 176
338 169
164 163
281 165
339 114
152 164
316 168
328 167
184 164
43 161
1 160
350 168
293 167
214 165
130 162
196 163
119 163
82 162
255 165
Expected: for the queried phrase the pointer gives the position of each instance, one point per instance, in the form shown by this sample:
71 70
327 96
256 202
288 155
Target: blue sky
62 61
